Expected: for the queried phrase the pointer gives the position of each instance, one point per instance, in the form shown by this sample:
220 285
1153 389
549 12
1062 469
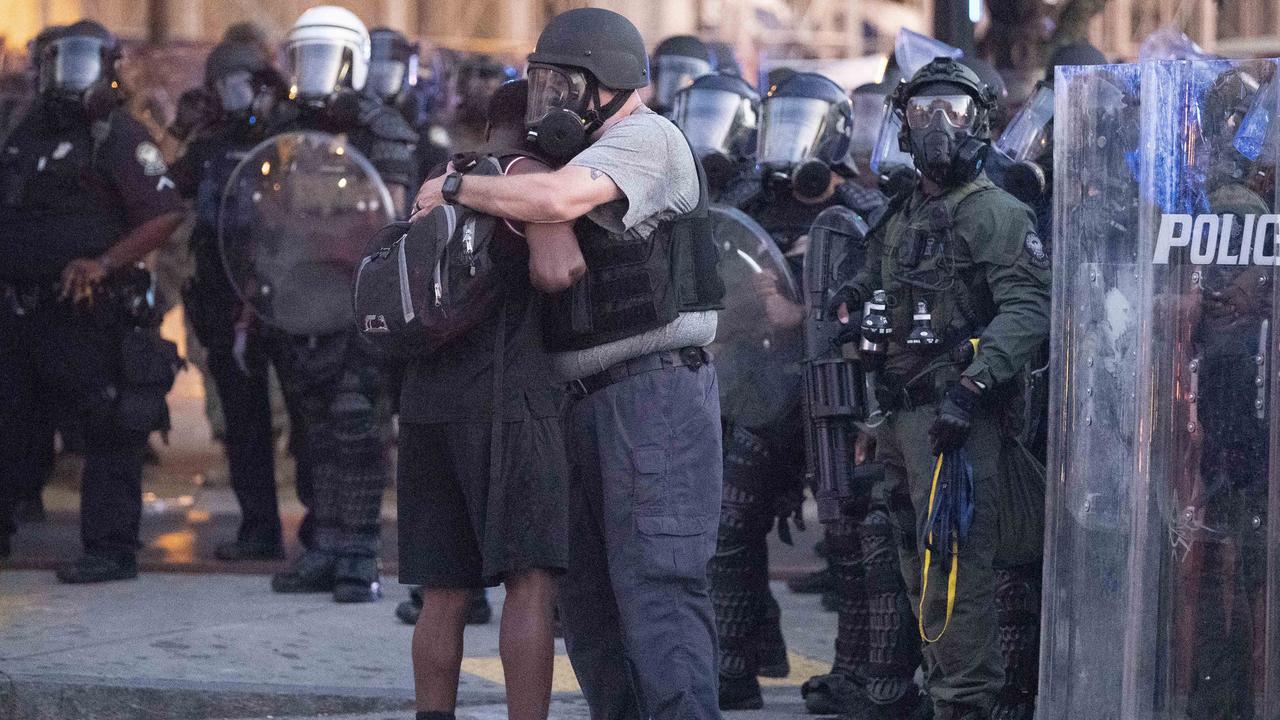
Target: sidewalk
179 646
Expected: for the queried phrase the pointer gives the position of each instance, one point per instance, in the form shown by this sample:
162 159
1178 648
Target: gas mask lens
551 88
958 110
791 129
235 91
675 73
713 120
319 69
71 64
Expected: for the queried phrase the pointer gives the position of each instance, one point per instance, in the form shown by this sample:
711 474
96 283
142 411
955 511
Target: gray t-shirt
649 160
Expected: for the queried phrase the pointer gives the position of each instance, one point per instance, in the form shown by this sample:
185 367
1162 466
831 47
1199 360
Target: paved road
223 646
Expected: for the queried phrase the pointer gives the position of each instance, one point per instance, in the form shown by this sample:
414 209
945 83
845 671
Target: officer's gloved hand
848 297
955 415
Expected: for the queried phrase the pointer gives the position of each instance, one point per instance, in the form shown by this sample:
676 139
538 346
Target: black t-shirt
455 384
65 194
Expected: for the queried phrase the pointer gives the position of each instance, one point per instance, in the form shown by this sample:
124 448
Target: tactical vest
634 285
55 205
919 265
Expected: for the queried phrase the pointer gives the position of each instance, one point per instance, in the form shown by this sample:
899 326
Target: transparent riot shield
296 217
1199 631
1092 411
760 337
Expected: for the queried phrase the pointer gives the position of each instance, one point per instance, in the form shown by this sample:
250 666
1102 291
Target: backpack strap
496 441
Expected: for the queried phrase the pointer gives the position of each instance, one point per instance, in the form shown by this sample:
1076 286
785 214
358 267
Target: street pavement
189 645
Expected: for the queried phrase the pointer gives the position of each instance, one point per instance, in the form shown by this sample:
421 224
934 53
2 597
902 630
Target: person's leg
526 643
659 441
19 395
893 639
588 607
437 648
738 572
250 450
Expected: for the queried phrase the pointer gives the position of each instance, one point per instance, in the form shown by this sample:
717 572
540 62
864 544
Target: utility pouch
149 365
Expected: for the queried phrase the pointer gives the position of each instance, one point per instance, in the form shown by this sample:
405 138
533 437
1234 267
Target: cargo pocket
149 366
648 481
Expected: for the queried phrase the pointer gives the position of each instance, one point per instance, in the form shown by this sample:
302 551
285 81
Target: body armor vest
634 285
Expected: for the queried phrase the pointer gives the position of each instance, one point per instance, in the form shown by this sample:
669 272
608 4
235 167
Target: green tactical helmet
953 72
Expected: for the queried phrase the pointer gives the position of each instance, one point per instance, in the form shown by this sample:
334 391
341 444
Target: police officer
719 113
331 381
84 195
644 425
242 84
677 62
957 258
474 81
803 154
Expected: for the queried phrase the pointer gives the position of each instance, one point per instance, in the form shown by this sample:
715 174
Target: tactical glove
955 415
846 295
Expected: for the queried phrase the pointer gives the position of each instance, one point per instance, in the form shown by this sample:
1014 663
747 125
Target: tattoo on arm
596 174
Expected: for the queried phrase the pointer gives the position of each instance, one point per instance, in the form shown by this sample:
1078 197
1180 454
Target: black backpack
426 283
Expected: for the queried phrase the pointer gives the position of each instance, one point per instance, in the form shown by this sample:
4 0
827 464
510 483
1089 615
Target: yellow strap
924 572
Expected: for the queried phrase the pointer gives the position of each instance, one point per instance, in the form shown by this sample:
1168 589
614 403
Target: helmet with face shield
718 114
328 51
393 64
677 62
237 72
805 130
75 58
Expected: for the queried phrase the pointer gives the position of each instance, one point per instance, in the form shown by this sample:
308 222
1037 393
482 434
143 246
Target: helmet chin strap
600 114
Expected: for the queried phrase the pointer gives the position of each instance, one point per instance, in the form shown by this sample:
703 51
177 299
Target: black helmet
718 113
599 41
677 62
1077 53
949 71
76 57
393 63
232 56
806 116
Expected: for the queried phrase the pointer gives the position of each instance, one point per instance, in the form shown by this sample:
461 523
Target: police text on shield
1208 238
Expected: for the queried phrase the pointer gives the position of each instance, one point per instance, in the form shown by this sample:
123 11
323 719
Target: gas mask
940 137
564 110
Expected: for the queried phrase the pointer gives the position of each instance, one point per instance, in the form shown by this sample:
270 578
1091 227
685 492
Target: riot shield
1092 408
1161 604
296 216
834 384
759 339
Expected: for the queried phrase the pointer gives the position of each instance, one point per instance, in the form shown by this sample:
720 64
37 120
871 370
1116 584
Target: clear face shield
386 76
552 88
673 73
714 120
235 91
319 69
1029 136
868 112
888 154
792 129
71 64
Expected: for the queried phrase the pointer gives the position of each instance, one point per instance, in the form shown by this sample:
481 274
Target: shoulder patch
1035 249
150 158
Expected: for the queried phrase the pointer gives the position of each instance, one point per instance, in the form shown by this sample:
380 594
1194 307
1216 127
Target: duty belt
690 357
891 394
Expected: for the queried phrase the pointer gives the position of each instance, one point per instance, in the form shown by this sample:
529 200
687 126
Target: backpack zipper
406 293
438 278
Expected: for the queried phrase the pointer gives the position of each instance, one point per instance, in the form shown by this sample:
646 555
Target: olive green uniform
973 257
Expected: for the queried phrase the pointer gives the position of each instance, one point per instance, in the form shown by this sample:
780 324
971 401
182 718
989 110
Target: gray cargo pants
644 506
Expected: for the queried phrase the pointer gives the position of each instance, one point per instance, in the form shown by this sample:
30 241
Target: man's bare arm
561 196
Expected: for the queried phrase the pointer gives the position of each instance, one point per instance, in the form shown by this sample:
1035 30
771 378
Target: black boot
312 572
740 693
242 549
409 610
913 706
834 694
773 648
479 613
356 580
98 568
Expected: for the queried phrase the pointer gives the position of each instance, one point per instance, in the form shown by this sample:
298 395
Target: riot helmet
393 64
805 129
718 113
579 52
945 115
677 62
475 79
236 72
75 58
1225 108
328 52
1077 53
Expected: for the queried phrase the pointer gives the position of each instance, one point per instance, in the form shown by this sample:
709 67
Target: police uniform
973 257
333 384
70 188
214 309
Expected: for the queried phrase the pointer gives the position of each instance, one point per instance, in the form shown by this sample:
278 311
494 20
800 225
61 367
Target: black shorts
458 530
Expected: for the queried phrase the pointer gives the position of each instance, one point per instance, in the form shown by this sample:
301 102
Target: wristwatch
452 185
